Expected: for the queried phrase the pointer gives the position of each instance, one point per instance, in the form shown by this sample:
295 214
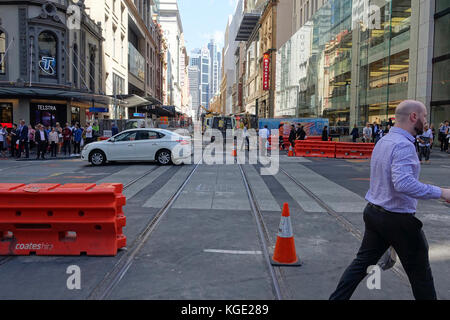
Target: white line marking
233 252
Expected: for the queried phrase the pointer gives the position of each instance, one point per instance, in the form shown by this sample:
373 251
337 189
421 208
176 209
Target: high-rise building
214 69
205 77
194 85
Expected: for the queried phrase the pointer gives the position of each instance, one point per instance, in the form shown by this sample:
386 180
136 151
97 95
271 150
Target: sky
203 20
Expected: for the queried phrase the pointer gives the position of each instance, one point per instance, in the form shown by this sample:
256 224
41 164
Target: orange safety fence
55 220
354 150
315 149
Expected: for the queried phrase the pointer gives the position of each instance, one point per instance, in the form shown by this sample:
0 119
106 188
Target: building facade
51 63
354 61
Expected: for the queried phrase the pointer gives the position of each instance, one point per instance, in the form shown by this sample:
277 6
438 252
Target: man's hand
446 194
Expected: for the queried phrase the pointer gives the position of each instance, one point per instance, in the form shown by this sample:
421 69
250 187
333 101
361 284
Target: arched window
2 52
75 65
48 54
92 71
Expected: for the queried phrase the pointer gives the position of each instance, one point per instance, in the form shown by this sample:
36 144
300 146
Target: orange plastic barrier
314 138
315 149
54 220
354 150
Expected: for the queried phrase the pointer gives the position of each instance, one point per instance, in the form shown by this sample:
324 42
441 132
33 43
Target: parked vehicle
141 144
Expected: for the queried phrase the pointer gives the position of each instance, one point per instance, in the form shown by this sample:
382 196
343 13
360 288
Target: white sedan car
159 145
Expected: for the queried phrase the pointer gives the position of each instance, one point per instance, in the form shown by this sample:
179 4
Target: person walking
53 140
325 134
41 141
114 129
89 133
301 133
367 133
390 214
13 140
67 139
77 133
281 136
433 131
355 134
264 135
3 143
292 136
31 133
442 135
23 140
425 141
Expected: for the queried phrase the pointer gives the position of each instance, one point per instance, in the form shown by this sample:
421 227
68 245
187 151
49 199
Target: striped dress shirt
395 171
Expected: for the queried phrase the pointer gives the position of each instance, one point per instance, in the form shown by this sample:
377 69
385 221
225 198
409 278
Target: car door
144 146
124 147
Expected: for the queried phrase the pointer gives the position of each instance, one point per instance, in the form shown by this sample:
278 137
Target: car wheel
164 157
97 158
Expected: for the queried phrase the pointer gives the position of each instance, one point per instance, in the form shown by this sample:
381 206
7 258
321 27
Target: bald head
406 108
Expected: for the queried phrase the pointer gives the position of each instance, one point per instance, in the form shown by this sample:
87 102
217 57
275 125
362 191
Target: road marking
233 252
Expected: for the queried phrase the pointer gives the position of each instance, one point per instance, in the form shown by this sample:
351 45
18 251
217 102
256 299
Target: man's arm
403 175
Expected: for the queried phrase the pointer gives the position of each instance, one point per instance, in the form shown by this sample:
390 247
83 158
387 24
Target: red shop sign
266 72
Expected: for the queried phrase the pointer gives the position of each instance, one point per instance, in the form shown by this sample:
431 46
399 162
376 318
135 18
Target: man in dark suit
23 139
41 139
301 133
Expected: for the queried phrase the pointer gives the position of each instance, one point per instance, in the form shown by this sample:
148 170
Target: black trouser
41 149
13 147
76 147
24 145
404 233
66 147
53 148
444 141
424 152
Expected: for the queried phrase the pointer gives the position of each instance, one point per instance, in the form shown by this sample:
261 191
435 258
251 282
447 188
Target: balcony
136 63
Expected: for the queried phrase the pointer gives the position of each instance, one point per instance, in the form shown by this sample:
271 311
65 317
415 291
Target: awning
35 92
131 100
248 23
160 111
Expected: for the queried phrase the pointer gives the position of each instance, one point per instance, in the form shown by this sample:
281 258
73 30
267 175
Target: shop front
48 114
6 114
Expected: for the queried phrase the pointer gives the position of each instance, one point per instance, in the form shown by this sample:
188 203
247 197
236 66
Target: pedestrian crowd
22 139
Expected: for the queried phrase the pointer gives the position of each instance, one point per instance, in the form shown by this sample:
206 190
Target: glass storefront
6 114
48 114
357 64
440 105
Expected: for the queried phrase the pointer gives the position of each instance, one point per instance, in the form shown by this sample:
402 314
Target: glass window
148 135
47 54
6 113
442 5
127 136
2 52
441 81
441 41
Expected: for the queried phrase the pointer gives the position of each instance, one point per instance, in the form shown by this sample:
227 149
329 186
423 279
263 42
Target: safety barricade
315 149
61 220
354 150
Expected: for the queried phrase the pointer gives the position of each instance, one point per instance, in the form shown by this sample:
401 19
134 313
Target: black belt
381 209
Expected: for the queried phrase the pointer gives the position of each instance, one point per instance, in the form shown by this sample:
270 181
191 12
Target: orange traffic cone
234 152
285 254
291 152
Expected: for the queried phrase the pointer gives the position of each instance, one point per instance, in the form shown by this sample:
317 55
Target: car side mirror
112 140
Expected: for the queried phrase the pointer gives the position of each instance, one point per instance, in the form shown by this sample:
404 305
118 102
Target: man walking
442 134
367 132
41 141
67 139
390 215
425 141
23 140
